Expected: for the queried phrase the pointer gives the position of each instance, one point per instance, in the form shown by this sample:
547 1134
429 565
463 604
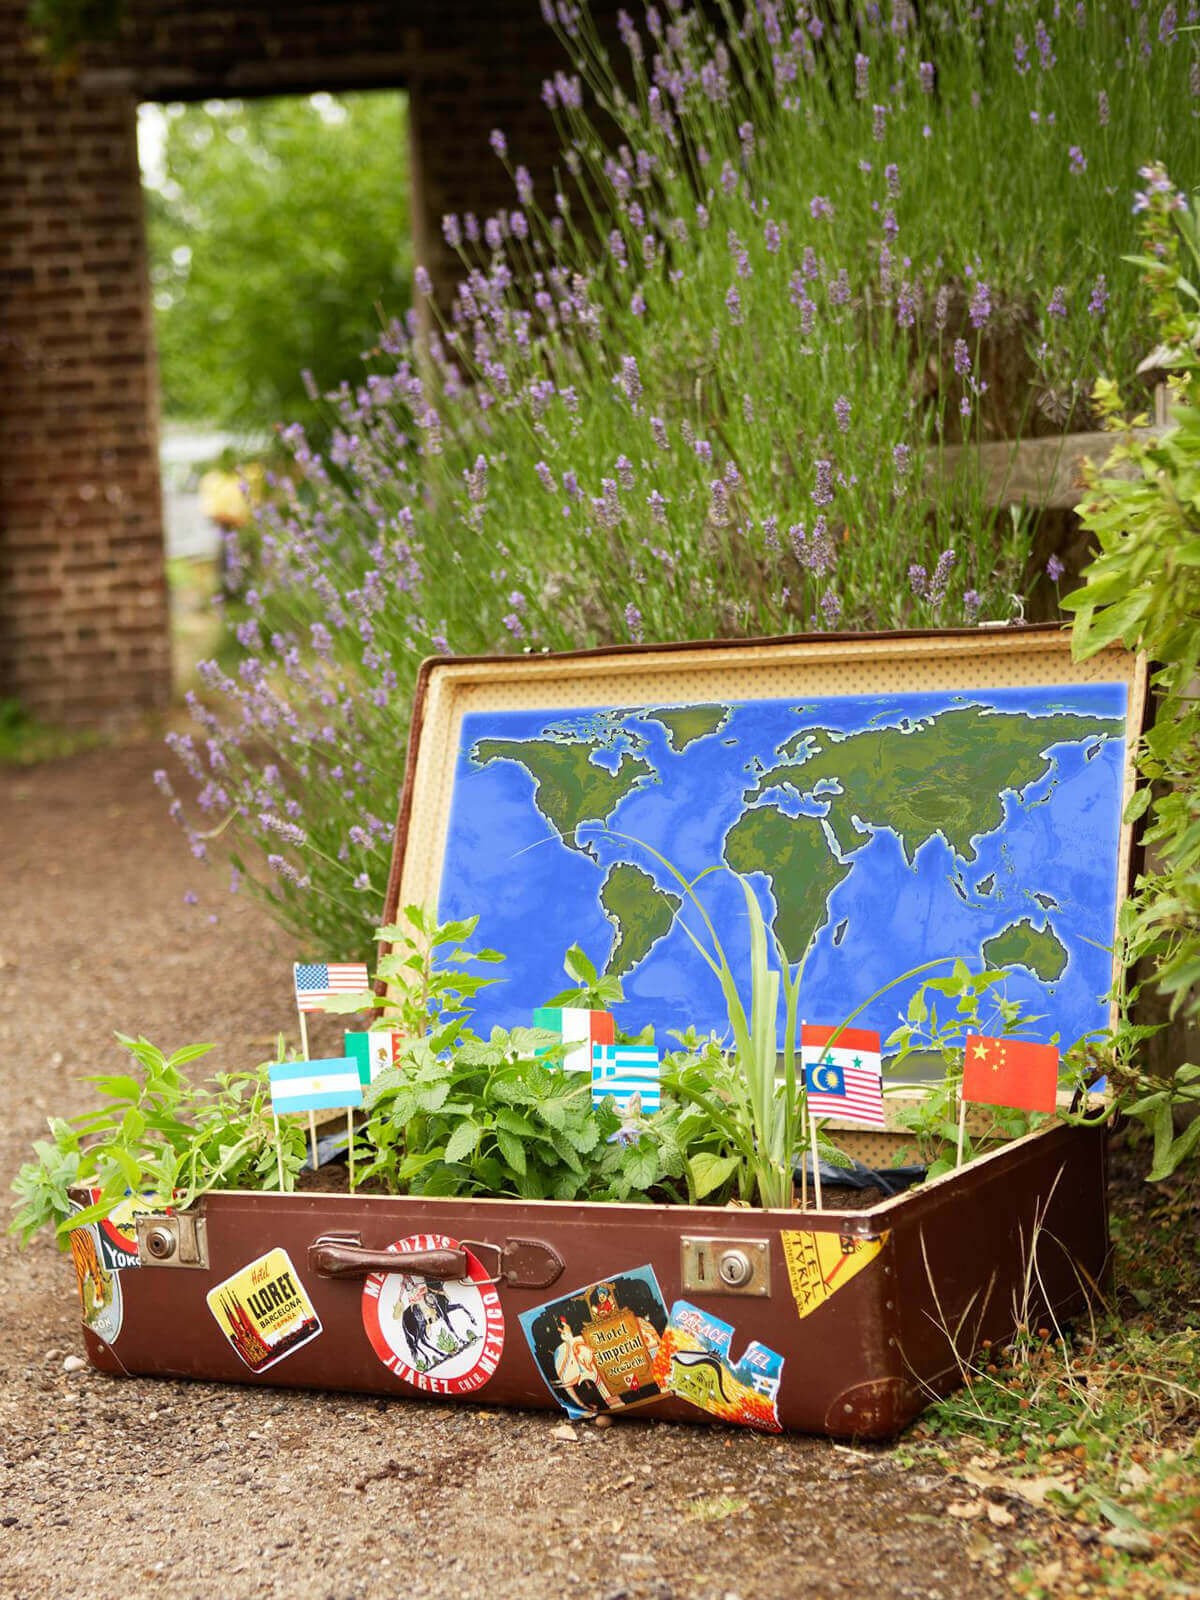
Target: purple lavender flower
1056 306
546 476
1077 159
498 143
452 231
746 140
658 506
906 305
1045 46
1102 108
624 469
493 233
891 174
822 493
972 600
190 898
514 625
925 70
1167 25
862 75
918 580
771 236
659 429
962 358
637 303
940 580
819 207
1054 569
901 459
1021 54
878 122
831 607
633 621
980 308
733 304
841 410
1098 303
839 289
631 380
941 308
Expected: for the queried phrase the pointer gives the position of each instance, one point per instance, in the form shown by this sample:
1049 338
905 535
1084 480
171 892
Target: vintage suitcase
916 760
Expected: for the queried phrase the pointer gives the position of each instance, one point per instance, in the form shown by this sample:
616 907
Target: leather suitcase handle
336 1258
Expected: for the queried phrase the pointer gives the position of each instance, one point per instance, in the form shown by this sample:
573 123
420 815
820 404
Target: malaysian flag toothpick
843 1078
318 981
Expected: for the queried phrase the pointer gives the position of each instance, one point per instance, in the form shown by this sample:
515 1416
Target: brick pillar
83 604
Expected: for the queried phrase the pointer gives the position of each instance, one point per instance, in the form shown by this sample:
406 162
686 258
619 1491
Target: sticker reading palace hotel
444 1336
264 1312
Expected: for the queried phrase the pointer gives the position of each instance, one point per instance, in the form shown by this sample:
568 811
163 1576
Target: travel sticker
596 1348
819 1264
444 1336
264 1311
118 1235
693 1362
99 1285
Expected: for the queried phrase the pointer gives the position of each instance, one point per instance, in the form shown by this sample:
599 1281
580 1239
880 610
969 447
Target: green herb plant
972 1002
1143 588
158 1135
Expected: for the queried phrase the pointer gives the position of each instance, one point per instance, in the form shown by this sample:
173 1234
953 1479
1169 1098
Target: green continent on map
569 789
943 776
1023 945
794 854
640 912
686 724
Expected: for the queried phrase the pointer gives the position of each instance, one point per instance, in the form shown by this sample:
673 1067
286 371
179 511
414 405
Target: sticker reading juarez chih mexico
693 1362
264 1311
819 1264
444 1336
99 1285
595 1348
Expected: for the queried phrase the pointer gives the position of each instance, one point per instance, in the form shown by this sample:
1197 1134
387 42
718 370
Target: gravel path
116 1490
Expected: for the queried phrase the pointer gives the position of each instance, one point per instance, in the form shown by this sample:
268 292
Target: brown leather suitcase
838 1321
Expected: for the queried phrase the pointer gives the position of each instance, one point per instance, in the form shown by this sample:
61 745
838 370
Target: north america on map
880 832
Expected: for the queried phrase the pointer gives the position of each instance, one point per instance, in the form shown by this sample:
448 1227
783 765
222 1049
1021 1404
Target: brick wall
83 627
83 610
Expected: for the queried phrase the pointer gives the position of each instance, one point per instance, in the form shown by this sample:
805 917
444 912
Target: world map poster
879 832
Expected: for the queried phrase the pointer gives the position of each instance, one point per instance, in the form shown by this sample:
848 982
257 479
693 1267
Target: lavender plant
702 387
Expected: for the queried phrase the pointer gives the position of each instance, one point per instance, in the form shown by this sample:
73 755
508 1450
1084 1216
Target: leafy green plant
976 1006
495 1117
158 1135
593 990
1143 588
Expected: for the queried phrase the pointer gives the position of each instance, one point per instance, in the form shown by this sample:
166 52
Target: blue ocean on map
1052 861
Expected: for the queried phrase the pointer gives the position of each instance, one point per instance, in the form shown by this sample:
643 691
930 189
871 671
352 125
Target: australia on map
879 832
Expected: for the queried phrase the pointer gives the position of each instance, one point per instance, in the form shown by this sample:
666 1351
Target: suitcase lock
178 1240
725 1266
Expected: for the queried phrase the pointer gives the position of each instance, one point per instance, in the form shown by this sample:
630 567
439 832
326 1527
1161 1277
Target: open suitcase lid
894 798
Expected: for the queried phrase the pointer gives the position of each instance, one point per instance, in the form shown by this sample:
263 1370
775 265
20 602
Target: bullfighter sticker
264 1311
442 1336
694 1362
819 1264
596 1348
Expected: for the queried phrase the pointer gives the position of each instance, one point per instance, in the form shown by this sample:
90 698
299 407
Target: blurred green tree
279 241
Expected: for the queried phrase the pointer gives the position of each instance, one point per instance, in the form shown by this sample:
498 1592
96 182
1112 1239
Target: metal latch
178 1240
725 1266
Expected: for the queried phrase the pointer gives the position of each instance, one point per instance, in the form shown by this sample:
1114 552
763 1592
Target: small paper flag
314 1085
372 1051
580 1029
317 981
844 1079
1010 1072
625 1070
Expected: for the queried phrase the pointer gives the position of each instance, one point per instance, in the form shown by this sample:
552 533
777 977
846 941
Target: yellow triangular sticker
820 1263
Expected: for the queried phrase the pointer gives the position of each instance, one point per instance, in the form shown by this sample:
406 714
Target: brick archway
83 601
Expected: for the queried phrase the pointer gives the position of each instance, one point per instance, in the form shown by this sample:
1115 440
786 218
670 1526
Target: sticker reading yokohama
442 1336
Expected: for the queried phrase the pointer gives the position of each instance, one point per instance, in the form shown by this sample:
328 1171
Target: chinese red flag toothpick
1010 1072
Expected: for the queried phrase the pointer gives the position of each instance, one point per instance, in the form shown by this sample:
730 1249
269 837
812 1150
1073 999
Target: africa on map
879 832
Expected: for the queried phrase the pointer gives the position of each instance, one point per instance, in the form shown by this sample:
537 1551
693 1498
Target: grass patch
24 741
1097 1426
